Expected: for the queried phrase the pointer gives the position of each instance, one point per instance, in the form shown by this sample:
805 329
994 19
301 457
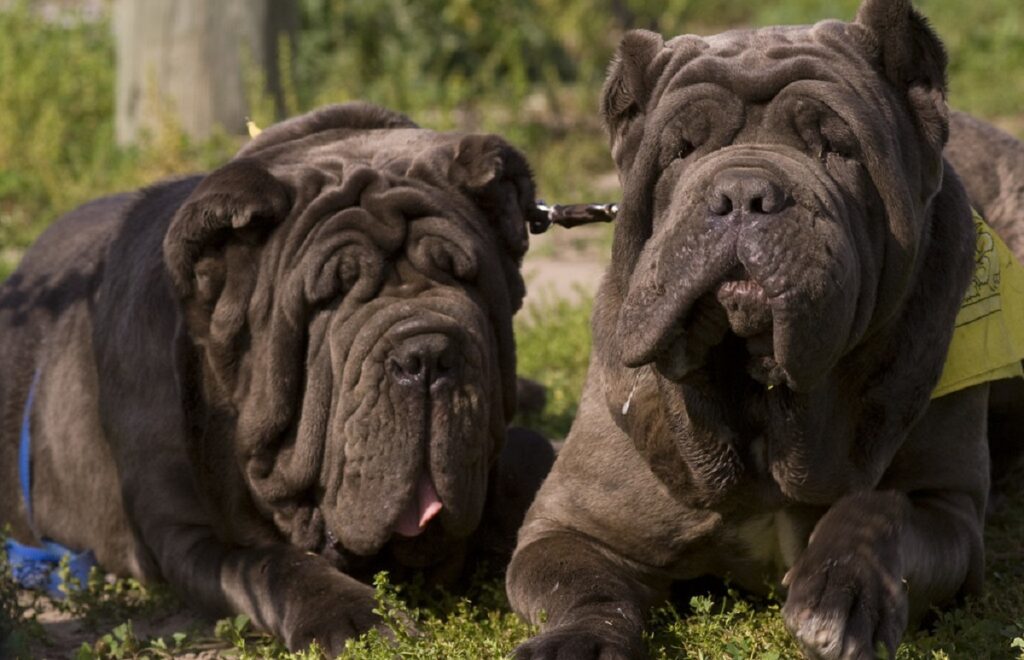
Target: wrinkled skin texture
267 383
789 257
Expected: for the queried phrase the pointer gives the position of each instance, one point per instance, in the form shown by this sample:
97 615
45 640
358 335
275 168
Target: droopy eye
687 133
437 254
684 149
824 133
837 139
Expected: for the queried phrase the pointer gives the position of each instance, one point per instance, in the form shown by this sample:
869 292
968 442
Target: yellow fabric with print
988 341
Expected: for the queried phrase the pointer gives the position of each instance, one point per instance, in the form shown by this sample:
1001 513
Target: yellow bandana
988 341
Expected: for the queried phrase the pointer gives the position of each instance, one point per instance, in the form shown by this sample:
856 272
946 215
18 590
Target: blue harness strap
32 567
25 447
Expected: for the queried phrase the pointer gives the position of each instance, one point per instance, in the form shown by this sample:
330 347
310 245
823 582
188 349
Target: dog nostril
763 197
747 191
406 367
720 204
773 199
446 363
424 360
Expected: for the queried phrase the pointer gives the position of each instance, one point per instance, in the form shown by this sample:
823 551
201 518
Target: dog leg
595 602
879 559
297 596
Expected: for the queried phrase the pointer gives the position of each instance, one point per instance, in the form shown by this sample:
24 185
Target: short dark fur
243 376
789 257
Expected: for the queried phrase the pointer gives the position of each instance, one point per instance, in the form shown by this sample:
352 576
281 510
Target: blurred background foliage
529 69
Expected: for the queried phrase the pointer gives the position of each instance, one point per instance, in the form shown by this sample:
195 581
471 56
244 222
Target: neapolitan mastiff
266 382
790 255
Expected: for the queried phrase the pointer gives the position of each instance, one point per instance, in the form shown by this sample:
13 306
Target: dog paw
332 625
851 606
578 642
331 630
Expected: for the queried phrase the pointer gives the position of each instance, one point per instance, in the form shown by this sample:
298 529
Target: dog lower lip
746 306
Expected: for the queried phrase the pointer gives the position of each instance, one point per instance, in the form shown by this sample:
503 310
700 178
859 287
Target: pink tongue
421 510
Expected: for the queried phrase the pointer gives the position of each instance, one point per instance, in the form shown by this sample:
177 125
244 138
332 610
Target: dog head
348 283
780 208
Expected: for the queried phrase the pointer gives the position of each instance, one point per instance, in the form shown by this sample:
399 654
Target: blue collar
37 567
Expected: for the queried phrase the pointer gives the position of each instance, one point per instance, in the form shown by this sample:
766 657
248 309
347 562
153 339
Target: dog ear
479 160
911 56
234 206
630 81
498 179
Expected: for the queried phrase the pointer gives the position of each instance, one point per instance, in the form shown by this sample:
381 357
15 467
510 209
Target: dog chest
771 542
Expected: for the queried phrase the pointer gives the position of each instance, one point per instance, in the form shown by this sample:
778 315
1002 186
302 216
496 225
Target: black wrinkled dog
790 257
266 382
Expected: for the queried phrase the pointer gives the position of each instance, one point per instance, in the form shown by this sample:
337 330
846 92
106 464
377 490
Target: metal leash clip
569 215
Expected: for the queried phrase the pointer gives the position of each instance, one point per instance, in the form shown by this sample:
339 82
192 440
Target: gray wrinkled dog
263 383
789 257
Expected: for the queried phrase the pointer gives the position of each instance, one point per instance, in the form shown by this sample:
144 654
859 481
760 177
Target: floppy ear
233 207
498 179
912 58
629 83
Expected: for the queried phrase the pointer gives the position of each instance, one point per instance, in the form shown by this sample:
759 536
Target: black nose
748 191
425 361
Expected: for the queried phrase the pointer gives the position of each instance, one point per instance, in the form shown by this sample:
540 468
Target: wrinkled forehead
757 64
374 183
381 149
415 160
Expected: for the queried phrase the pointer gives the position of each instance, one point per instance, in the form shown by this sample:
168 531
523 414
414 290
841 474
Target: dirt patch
548 278
565 263
64 632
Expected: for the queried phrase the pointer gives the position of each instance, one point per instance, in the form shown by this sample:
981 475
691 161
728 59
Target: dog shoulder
601 487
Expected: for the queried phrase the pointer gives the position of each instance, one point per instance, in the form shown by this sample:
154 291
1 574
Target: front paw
572 643
332 624
611 637
846 605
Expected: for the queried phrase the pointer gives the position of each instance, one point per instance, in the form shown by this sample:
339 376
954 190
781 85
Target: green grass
540 88
553 347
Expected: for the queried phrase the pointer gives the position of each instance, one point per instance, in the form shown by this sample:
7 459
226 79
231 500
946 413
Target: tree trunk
193 58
